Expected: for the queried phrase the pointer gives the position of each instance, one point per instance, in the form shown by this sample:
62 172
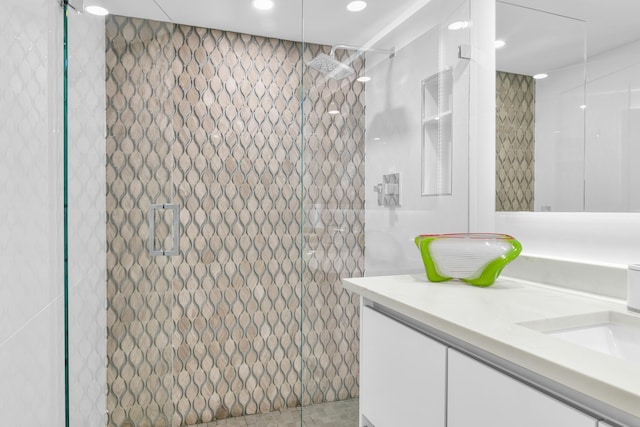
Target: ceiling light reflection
263 4
96 10
356 6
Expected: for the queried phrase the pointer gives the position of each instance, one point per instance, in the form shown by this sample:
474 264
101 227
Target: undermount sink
613 333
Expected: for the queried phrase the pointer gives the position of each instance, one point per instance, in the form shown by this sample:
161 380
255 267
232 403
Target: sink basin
613 333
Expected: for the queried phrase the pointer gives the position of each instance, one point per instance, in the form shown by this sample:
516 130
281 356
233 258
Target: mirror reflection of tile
515 141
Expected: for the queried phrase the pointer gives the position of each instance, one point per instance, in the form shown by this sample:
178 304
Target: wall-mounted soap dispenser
389 190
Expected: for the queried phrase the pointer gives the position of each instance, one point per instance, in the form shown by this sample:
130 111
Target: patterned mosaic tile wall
515 141
140 297
230 344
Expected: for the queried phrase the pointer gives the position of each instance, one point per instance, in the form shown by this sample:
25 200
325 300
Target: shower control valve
389 190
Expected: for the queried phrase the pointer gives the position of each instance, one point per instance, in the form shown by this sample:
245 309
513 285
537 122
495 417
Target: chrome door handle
153 251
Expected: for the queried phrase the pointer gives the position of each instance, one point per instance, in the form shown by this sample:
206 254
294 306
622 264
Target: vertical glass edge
302 216
65 140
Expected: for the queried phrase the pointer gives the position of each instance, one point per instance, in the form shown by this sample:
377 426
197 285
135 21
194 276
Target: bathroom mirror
567 142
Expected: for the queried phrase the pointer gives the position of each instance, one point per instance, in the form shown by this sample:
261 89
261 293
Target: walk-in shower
220 136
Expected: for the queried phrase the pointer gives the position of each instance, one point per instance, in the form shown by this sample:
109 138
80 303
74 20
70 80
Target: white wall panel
31 215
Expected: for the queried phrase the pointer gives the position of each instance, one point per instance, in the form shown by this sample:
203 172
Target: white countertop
488 319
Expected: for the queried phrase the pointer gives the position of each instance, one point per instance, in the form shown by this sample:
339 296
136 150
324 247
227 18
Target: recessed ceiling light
582 107
458 25
356 6
540 76
363 79
499 43
96 10
263 4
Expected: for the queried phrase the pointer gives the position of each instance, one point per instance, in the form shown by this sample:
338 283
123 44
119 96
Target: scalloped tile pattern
140 296
216 332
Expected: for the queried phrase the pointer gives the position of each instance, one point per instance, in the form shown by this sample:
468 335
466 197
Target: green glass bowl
474 258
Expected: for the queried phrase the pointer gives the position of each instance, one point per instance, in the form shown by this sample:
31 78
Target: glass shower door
84 232
209 120
142 222
134 140
364 198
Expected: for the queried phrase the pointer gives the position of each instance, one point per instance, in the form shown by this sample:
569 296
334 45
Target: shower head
331 67
334 69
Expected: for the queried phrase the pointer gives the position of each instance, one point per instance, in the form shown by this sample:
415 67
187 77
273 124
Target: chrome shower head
331 67
334 69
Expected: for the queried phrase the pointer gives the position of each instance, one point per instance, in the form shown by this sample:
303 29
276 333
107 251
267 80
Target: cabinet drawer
480 396
402 374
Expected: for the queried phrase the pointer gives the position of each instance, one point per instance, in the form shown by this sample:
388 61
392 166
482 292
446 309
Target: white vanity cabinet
481 396
460 356
402 374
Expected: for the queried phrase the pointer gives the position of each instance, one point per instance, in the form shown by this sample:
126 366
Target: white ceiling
325 21
608 23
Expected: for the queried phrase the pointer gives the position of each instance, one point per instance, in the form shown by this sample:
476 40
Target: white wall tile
32 387
393 138
31 236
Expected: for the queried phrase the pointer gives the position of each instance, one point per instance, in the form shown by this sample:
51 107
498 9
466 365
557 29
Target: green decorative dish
474 258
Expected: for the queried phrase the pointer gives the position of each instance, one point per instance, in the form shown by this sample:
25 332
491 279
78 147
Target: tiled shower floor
334 414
